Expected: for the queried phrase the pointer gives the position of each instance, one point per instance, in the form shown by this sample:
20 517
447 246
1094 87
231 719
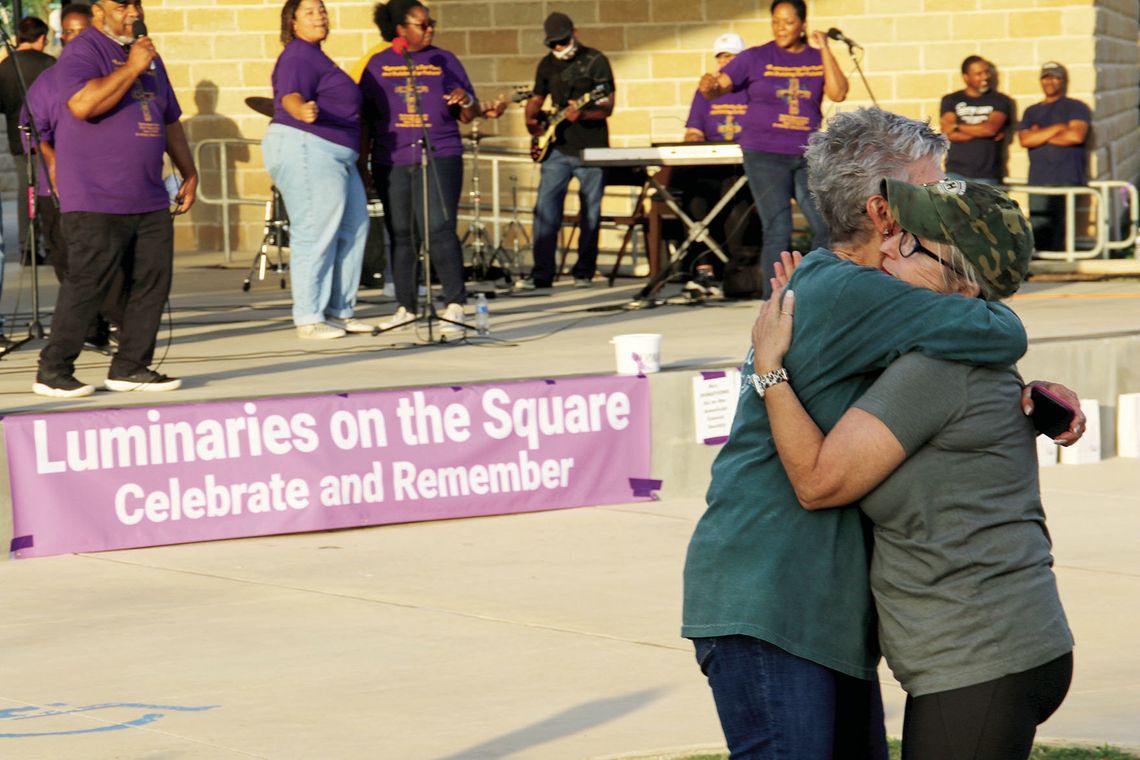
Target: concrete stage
545 635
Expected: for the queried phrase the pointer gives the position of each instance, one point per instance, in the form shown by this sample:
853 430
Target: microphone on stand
138 29
839 36
400 45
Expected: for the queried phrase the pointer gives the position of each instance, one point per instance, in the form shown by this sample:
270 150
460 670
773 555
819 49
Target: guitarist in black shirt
580 84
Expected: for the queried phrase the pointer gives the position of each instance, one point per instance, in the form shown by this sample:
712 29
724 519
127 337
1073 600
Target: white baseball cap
728 43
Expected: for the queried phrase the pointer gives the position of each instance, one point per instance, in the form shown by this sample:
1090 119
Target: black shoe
143 380
98 343
64 386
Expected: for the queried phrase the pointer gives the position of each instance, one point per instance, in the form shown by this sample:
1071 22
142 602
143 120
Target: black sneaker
143 380
65 386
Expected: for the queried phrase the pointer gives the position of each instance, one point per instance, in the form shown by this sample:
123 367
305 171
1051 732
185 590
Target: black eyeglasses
429 24
558 43
918 247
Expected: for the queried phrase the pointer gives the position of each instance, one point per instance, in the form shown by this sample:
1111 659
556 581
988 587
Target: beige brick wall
221 51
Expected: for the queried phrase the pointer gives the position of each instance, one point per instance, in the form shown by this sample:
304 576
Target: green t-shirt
962 570
760 565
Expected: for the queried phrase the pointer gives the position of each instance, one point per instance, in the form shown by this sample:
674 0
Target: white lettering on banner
410 482
338 490
175 442
530 417
424 423
176 503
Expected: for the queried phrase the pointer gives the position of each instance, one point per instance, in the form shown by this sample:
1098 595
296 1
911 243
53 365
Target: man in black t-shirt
568 72
974 120
31 38
1055 132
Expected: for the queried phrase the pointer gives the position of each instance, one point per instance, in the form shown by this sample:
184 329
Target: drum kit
490 262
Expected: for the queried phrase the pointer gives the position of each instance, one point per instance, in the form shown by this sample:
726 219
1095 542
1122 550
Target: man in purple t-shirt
121 117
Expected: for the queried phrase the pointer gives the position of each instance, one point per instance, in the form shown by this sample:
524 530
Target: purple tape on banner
644 488
712 374
716 441
548 381
22 542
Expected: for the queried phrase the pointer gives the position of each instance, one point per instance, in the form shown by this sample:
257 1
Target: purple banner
124 478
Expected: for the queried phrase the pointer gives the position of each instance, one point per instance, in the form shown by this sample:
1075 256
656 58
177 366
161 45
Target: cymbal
263 106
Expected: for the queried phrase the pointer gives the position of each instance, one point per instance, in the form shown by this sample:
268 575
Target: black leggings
995 720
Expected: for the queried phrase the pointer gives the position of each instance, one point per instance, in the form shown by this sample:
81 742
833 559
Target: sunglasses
917 247
559 43
429 24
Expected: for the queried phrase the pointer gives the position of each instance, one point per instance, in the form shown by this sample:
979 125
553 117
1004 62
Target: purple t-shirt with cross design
785 91
304 68
111 163
720 119
392 114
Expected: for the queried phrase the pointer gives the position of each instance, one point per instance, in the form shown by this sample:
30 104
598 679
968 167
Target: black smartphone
1051 415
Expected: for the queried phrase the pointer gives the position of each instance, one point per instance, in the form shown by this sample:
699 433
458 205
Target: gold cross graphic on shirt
792 95
144 98
730 129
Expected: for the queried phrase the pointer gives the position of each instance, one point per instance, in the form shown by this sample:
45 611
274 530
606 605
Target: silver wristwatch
763 382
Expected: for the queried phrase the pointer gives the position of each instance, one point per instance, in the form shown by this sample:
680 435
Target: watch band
763 382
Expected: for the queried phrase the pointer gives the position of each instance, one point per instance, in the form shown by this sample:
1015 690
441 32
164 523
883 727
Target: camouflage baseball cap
981 221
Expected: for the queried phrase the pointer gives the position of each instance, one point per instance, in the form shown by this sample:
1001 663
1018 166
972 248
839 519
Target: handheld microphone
838 36
138 29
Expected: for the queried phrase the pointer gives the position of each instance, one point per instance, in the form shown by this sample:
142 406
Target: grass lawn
1040 752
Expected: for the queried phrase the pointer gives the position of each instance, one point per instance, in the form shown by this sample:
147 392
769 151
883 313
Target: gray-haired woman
776 599
944 463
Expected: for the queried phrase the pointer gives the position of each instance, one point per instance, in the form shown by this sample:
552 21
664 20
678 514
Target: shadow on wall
207 124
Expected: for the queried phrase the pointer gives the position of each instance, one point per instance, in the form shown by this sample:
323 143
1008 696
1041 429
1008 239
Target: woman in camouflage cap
943 461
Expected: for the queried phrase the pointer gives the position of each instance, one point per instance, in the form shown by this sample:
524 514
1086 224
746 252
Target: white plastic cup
637 353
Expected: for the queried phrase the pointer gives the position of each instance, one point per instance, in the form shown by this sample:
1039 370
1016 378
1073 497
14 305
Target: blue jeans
328 220
401 191
774 179
776 706
557 170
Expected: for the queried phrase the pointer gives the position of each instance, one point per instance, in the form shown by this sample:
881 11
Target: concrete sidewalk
549 635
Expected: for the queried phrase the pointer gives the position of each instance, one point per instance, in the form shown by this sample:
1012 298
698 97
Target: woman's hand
786 267
300 109
459 97
819 39
1076 427
772 331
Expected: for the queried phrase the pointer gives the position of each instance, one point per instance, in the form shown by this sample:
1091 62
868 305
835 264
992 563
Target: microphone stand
851 46
35 326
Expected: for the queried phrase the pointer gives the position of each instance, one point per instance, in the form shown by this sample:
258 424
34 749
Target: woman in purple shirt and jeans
786 80
311 150
396 120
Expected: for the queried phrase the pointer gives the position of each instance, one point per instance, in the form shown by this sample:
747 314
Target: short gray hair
847 163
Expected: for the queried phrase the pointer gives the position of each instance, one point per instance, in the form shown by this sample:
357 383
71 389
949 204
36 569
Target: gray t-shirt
962 570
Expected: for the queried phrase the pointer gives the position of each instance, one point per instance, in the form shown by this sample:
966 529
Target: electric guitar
540 144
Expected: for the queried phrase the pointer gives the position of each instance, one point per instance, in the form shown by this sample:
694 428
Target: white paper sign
1046 451
1128 425
1086 450
715 395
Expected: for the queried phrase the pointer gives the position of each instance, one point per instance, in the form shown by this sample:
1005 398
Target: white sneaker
350 325
399 319
319 331
452 314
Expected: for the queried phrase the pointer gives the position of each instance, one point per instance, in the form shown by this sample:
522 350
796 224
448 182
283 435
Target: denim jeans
401 191
328 220
557 171
1047 218
776 706
775 179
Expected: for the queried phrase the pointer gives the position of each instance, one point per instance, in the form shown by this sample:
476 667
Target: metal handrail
225 201
1101 190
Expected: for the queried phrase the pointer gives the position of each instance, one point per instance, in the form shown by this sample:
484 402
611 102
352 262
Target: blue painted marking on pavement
33 713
